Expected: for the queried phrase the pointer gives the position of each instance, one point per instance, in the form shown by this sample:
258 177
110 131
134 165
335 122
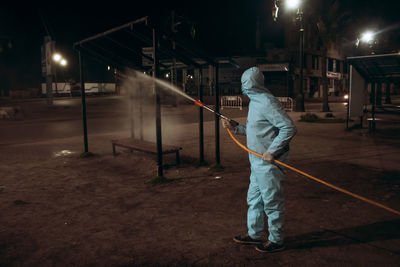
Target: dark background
223 28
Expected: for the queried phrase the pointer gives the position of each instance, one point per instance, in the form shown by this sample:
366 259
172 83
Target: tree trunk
325 102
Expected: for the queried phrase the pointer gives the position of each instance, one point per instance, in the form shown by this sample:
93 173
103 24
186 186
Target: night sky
222 27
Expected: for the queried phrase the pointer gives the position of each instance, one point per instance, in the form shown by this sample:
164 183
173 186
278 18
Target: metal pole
140 111
373 94
49 89
301 52
131 111
55 77
201 126
217 152
387 93
347 112
156 72
83 97
379 94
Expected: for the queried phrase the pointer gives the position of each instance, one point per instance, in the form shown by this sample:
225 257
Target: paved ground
59 209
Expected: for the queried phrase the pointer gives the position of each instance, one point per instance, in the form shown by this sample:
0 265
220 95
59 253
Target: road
106 114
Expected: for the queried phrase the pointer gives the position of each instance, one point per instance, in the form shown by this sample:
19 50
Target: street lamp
56 57
296 4
292 4
63 62
59 60
367 37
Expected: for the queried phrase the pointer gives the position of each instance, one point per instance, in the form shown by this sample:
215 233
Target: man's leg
271 189
255 216
255 212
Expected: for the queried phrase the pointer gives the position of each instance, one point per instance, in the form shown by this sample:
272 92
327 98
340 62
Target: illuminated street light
56 57
295 4
292 4
60 60
367 37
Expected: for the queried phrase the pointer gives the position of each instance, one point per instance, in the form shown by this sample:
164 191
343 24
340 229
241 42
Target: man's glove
268 157
229 124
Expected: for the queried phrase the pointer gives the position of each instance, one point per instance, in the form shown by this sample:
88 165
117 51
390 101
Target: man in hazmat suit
269 131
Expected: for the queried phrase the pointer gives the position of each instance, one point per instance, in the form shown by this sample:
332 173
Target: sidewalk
59 209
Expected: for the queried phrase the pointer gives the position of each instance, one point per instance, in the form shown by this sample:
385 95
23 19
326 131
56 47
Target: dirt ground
58 209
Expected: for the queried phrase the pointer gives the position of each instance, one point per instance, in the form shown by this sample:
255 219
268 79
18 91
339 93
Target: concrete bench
145 146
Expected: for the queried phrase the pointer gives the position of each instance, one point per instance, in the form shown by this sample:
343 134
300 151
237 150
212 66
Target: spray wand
200 104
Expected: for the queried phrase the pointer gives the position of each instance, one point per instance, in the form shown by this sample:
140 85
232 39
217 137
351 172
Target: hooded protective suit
268 128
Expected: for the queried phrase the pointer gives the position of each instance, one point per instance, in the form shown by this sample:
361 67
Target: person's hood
253 81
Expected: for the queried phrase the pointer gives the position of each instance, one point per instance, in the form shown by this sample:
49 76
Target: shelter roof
377 67
131 45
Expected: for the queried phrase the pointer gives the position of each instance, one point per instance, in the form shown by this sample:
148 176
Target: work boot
270 247
247 240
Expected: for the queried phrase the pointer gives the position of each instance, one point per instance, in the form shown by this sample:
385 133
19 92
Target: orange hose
318 180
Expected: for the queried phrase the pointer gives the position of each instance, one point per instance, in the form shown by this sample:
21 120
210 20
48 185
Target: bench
145 146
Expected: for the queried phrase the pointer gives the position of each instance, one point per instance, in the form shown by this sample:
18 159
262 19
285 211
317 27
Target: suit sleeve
278 117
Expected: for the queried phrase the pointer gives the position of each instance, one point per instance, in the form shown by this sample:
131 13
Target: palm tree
331 20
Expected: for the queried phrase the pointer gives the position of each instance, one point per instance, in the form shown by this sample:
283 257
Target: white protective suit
268 128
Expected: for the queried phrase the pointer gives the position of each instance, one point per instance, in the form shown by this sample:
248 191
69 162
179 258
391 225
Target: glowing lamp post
292 4
59 60
347 103
296 4
57 57
63 62
367 38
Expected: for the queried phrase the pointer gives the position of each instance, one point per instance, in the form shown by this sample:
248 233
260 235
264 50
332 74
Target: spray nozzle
233 123
198 103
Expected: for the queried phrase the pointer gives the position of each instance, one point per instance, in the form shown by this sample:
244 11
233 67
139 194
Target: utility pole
300 93
47 67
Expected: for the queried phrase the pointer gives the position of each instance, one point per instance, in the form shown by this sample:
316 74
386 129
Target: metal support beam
141 110
83 97
300 93
127 25
156 73
132 105
201 126
379 94
387 94
217 151
372 125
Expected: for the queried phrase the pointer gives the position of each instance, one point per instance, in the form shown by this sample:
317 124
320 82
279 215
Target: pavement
363 161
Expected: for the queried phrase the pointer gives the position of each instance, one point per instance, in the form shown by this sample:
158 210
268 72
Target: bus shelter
142 45
368 75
